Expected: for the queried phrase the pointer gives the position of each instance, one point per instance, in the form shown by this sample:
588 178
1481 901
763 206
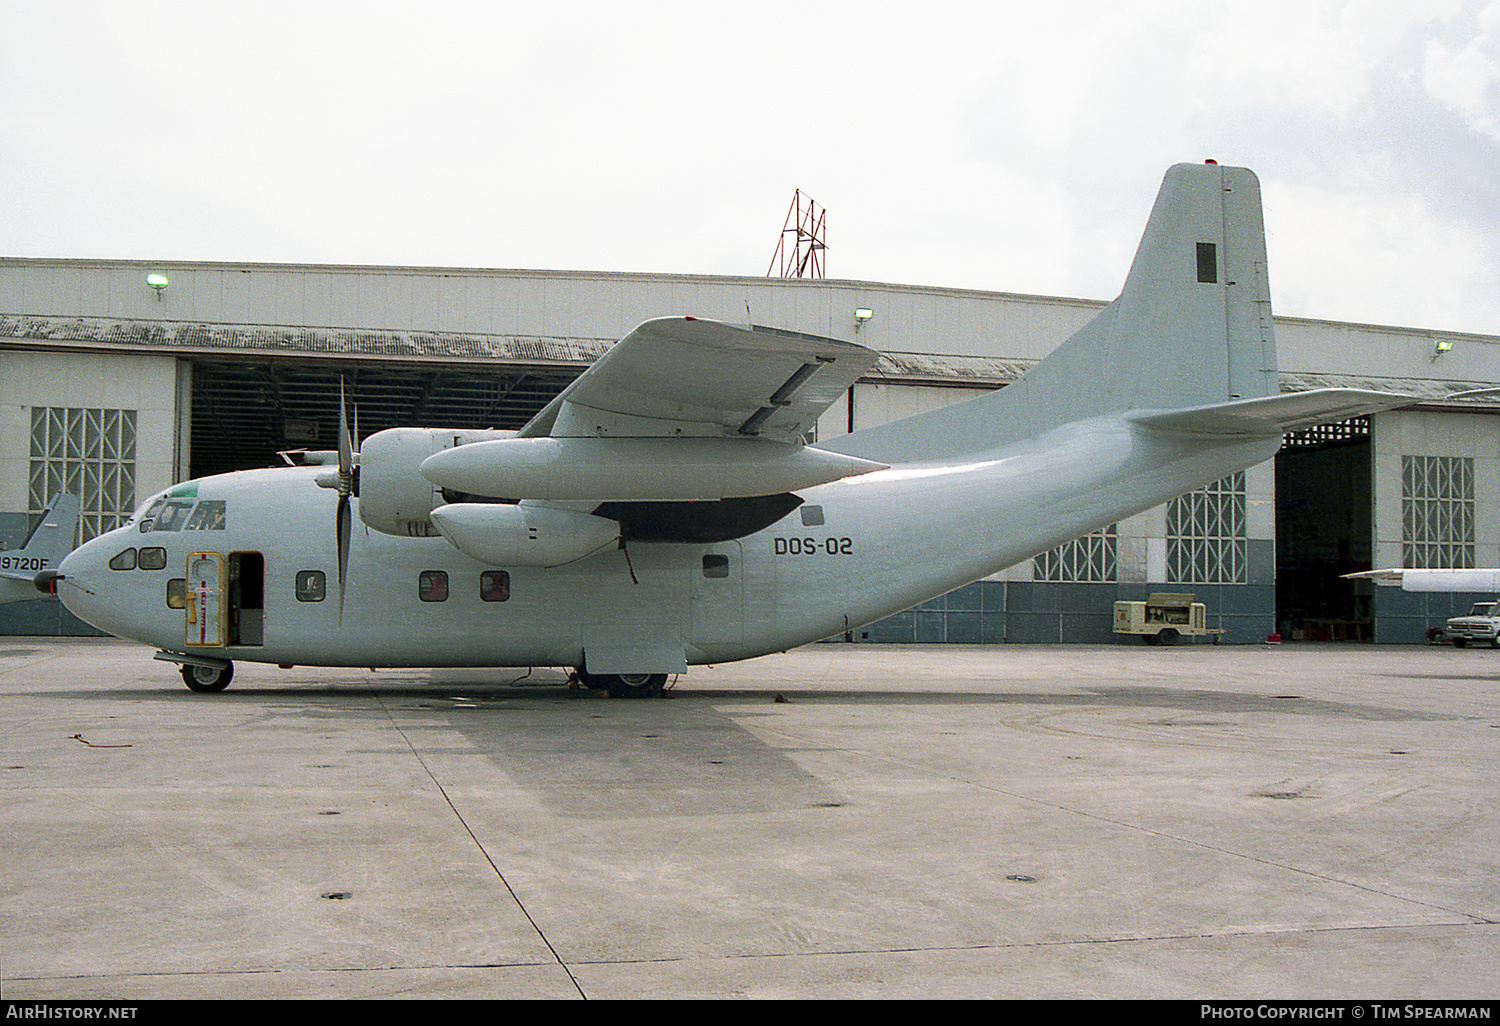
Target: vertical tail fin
49 541
52 537
1191 327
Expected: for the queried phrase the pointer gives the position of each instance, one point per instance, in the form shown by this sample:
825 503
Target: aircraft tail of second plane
44 549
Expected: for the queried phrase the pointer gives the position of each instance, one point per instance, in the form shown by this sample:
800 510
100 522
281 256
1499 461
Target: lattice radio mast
802 249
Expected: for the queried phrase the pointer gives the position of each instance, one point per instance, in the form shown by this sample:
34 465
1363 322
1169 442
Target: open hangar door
1324 529
245 412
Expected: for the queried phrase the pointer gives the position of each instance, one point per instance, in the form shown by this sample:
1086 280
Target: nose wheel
207 678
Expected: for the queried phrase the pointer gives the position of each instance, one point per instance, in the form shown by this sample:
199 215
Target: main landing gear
625 685
207 678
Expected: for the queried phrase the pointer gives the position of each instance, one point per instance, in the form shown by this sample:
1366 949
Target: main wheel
207 678
626 685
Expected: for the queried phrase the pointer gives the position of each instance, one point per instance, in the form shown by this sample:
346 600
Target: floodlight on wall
159 282
1444 345
862 315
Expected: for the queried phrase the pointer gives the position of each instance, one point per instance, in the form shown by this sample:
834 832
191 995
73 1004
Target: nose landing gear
207 678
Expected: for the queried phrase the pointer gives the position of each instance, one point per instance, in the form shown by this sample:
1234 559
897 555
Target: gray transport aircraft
664 510
43 549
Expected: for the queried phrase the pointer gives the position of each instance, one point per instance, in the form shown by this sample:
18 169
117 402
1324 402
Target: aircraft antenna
802 249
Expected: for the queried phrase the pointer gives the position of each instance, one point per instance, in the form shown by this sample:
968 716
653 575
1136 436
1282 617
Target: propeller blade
343 533
346 485
346 447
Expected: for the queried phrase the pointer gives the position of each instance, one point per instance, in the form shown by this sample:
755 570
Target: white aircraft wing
682 376
1476 580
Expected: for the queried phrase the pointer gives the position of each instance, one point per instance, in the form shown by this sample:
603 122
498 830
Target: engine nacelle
524 535
638 469
394 497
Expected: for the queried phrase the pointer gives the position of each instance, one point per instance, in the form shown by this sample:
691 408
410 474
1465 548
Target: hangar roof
270 343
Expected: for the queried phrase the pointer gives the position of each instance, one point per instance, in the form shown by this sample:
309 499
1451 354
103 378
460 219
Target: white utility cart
1163 618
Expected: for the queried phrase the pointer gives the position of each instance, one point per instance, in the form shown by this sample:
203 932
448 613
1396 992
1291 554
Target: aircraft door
205 610
719 595
245 602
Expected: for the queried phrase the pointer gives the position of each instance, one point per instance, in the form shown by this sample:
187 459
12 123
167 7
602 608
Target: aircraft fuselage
253 556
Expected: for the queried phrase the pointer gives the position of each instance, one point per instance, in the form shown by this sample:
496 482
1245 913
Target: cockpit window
123 561
209 516
172 515
184 513
149 515
153 558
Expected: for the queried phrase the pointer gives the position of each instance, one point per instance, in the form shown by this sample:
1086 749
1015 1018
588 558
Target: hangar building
114 390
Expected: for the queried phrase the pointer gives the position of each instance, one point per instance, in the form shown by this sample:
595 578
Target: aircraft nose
68 565
46 581
75 570
76 580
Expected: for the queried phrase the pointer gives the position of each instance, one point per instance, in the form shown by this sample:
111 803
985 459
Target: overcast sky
1012 147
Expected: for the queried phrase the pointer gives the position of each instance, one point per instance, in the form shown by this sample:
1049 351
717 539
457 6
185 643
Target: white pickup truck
1480 625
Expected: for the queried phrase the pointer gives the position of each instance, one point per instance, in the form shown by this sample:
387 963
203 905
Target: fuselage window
494 585
153 558
124 561
432 586
311 585
812 516
177 593
715 565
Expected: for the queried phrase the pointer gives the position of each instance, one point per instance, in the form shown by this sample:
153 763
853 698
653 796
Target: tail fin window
1208 262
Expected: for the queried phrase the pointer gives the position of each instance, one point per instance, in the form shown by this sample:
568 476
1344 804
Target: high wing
677 376
679 410
685 430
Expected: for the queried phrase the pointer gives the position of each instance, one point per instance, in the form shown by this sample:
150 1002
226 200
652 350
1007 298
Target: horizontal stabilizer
1271 415
1475 580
